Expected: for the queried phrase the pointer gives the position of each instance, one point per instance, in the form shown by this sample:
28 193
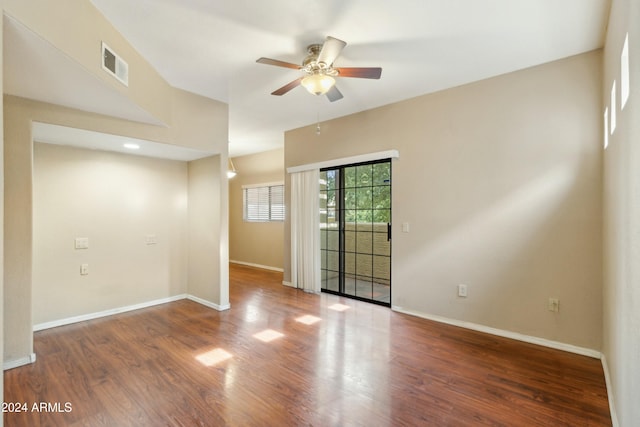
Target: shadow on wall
516 249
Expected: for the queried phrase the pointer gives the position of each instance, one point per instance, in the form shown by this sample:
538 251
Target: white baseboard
506 334
19 362
607 380
105 313
287 284
111 312
264 267
209 303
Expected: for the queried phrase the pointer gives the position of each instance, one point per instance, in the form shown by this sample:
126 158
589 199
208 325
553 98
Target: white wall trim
19 362
607 380
369 157
289 284
105 313
266 184
506 334
209 303
111 312
264 267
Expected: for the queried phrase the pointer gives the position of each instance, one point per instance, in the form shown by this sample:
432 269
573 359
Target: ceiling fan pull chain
318 123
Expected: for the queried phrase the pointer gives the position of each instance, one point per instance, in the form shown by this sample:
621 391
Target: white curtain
305 230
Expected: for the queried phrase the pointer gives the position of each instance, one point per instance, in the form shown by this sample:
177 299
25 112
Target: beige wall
17 234
116 201
259 243
205 263
191 121
622 218
500 182
80 38
1 217
19 113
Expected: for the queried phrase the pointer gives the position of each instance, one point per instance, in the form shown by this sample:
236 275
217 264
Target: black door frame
341 211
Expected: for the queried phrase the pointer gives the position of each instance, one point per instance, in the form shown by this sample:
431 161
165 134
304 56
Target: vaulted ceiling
210 48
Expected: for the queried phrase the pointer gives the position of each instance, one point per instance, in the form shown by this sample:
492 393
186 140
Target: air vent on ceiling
115 65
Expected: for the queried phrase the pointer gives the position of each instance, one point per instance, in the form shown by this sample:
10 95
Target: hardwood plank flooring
364 366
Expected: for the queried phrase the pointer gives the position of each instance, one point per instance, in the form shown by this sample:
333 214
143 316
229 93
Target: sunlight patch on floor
268 335
339 307
213 357
308 319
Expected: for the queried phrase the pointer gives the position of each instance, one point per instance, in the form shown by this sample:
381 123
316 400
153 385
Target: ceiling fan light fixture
318 84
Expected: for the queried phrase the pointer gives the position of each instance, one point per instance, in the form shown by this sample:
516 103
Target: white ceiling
81 138
210 48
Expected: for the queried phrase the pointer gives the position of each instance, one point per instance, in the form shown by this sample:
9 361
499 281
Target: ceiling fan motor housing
313 50
311 66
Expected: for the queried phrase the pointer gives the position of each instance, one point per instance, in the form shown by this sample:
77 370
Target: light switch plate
82 243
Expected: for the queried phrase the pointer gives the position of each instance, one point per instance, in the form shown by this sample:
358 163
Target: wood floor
183 364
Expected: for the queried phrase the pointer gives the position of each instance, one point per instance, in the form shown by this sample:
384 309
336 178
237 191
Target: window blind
263 203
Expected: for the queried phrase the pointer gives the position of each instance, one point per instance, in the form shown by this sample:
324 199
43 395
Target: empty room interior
320 213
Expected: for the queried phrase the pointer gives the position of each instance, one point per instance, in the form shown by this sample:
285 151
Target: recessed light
131 146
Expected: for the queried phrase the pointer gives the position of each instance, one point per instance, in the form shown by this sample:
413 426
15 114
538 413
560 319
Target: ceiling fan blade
330 50
286 88
278 63
334 94
363 73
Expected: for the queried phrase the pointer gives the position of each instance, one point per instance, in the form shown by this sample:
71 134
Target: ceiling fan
319 71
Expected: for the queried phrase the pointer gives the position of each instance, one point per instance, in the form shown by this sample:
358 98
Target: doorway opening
355 231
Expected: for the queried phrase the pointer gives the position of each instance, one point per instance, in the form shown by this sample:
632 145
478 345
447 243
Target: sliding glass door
355 224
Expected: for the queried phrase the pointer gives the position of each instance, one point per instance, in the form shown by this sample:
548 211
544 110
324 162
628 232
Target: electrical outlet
462 291
84 269
554 305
